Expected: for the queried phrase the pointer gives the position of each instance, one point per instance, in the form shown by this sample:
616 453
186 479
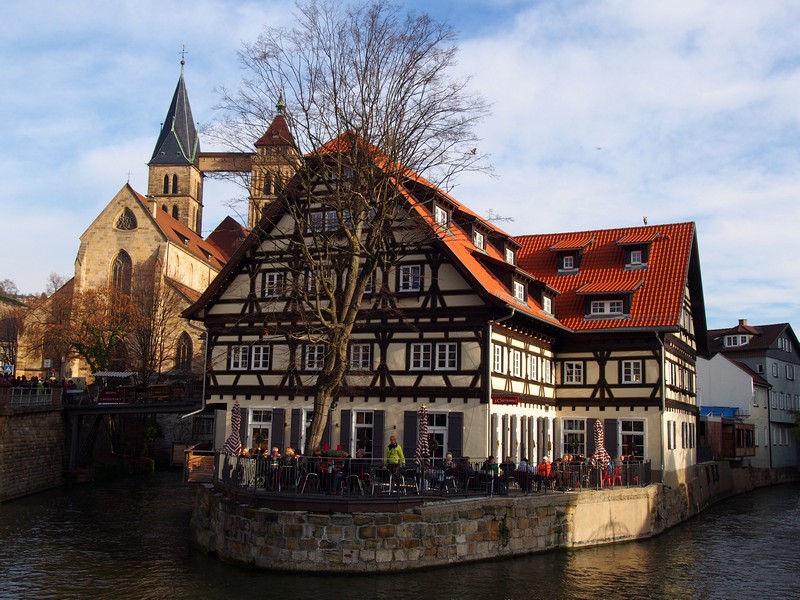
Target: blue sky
604 111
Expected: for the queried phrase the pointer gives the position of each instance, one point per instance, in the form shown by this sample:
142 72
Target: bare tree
371 100
99 321
54 283
154 330
8 288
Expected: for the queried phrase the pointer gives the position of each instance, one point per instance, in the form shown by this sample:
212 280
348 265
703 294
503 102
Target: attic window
636 257
547 304
510 256
440 216
519 291
731 341
479 240
606 308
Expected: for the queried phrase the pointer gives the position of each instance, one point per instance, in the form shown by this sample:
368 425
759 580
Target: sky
603 112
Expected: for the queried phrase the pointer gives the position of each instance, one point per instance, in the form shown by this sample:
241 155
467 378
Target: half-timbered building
632 302
454 324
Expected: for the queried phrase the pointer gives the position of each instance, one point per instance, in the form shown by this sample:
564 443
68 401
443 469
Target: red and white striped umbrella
600 456
422 455
233 445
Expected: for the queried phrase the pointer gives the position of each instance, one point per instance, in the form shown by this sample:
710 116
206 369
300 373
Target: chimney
742 322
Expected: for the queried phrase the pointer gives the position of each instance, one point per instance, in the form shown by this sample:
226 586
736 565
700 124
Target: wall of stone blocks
31 451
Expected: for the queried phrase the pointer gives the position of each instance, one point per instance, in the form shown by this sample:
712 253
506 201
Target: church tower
276 160
175 183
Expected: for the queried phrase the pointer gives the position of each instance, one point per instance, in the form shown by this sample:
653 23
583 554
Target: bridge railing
29 397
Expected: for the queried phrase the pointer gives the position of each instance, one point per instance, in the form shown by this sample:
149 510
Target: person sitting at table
507 469
273 463
543 470
523 475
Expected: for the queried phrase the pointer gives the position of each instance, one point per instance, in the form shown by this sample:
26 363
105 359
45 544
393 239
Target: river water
128 539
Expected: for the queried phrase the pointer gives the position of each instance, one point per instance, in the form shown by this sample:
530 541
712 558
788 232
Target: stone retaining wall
31 451
457 530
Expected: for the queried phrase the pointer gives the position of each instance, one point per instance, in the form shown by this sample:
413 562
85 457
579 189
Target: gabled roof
277 133
227 236
575 242
469 260
178 142
185 291
638 238
763 337
656 292
182 236
757 379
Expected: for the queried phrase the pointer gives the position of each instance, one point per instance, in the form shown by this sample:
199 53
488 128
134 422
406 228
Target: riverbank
443 533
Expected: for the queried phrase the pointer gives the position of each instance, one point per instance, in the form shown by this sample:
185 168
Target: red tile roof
277 134
657 290
572 243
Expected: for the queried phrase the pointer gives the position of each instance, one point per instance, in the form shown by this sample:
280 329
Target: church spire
178 142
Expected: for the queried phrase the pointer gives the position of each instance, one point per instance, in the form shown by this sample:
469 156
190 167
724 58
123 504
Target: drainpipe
205 365
663 400
489 359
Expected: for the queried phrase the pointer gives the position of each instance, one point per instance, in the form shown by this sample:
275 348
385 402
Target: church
151 244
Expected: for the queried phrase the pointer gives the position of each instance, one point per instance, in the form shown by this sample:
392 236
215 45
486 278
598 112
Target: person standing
394 460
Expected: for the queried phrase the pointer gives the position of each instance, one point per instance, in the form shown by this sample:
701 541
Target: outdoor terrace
331 484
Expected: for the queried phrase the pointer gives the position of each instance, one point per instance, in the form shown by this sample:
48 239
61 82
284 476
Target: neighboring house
632 301
734 410
772 352
517 345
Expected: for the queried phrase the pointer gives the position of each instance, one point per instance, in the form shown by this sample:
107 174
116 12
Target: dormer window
568 262
636 257
519 291
732 341
510 256
440 216
547 304
606 308
479 240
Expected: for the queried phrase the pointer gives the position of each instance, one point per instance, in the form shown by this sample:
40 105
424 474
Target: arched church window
121 270
174 184
166 184
183 352
164 208
174 211
126 220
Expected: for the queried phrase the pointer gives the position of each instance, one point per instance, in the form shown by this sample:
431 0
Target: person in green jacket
394 455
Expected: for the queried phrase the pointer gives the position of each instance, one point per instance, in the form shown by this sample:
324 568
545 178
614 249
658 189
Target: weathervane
183 54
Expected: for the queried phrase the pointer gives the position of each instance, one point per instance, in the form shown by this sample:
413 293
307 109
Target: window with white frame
273 284
632 437
421 356
636 257
260 358
510 256
547 370
259 428
573 372
568 262
547 304
631 371
410 278
314 358
789 371
774 369
437 435
360 357
533 363
440 215
240 357
573 436
497 364
773 399
515 363
606 307
684 432
519 291
478 240
731 341
446 356
363 433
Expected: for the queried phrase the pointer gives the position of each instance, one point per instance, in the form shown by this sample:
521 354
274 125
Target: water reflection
127 539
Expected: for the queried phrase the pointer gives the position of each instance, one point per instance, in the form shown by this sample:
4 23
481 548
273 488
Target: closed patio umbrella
422 454
233 445
600 456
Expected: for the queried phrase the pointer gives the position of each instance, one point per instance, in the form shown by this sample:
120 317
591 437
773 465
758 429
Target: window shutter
455 434
344 435
378 419
590 446
296 429
409 432
243 426
278 422
610 435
